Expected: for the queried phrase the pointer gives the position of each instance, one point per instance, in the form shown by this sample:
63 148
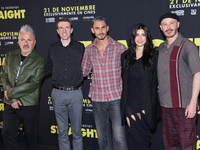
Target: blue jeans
111 134
68 103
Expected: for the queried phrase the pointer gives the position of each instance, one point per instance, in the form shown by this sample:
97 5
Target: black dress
138 133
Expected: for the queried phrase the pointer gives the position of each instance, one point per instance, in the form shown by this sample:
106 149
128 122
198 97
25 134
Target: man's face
169 27
26 42
64 30
100 30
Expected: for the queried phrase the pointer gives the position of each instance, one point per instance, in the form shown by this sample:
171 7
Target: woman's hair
148 47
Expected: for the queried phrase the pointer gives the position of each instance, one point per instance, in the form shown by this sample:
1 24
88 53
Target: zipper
20 66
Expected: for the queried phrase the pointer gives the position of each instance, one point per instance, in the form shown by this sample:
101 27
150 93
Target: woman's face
140 38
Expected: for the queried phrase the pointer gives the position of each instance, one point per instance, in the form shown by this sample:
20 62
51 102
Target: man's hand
5 95
191 110
16 104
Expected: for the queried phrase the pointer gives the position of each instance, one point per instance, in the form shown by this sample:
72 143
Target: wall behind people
122 16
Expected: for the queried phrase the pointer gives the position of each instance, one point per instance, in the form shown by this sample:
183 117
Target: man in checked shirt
103 58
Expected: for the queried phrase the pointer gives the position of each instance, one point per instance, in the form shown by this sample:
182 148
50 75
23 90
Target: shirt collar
70 43
176 41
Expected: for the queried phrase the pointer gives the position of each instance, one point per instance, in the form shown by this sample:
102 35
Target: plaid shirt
106 71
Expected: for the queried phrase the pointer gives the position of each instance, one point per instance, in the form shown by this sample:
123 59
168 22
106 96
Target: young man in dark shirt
64 63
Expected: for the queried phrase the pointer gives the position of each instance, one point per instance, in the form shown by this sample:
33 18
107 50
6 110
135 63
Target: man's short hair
98 18
64 20
26 28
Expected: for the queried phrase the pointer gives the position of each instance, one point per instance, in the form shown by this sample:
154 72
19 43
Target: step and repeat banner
122 16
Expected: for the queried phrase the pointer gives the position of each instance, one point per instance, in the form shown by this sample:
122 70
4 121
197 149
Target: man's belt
69 88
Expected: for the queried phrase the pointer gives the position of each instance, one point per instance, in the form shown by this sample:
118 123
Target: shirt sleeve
193 58
49 64
86 63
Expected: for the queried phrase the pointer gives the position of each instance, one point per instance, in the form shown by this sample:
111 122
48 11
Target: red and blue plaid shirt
106 71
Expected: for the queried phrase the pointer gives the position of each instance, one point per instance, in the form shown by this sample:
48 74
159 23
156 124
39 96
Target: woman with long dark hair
139 95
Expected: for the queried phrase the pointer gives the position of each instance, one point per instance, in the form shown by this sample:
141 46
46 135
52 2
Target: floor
40 147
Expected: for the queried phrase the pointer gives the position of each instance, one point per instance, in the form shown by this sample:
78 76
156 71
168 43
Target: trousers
28 116
68 106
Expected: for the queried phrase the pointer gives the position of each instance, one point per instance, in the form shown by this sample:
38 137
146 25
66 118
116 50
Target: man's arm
6 84
4 75
190 111
49 64
86 64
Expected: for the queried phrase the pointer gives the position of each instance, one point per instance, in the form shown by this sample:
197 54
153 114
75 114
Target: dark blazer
149 88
